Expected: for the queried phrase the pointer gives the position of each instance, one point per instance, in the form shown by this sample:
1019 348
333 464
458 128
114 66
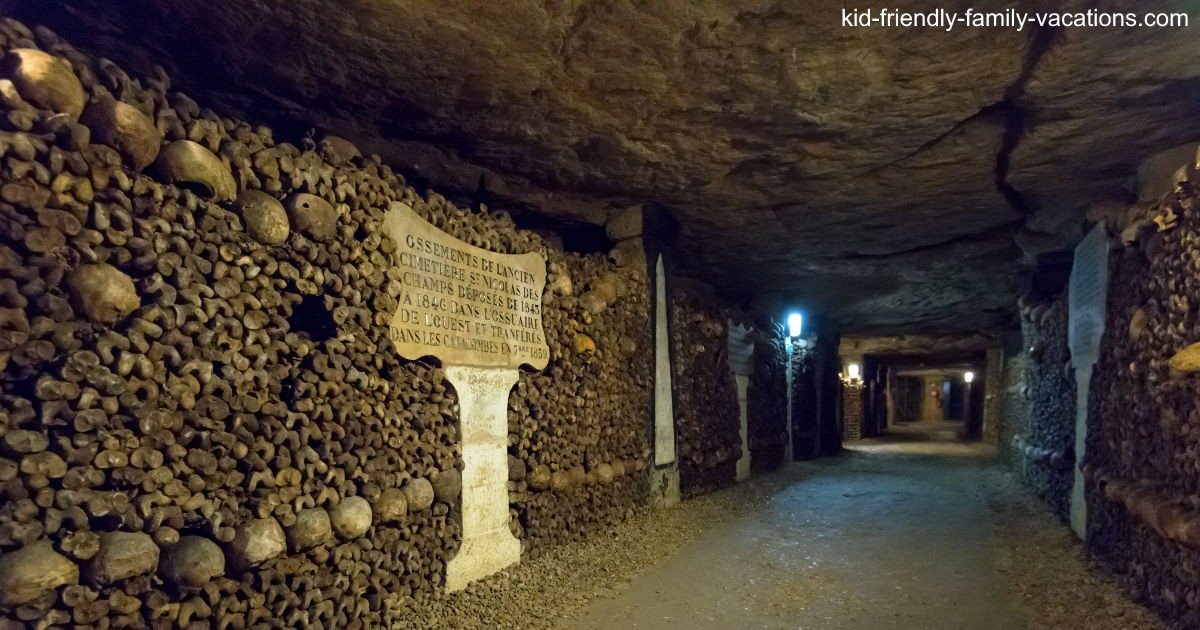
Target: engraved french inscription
463 304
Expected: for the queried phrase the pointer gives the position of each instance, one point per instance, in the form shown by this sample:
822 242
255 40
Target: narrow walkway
899 533
914 532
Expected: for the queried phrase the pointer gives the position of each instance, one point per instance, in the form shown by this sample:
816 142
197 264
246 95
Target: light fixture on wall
853 373
968 377
795 325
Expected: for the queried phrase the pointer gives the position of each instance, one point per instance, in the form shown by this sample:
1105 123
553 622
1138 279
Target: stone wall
706 408
202 417
1042 436
1143 445
767 400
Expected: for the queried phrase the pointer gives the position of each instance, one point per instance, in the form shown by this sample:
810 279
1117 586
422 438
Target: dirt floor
915 531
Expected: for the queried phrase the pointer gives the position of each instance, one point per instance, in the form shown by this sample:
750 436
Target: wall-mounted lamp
853 373
968 377
795 325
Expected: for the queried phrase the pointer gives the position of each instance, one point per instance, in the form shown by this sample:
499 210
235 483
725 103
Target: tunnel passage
301 327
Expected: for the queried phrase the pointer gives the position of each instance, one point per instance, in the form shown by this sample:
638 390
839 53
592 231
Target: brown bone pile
706 408
766 399
202 418
1059 459
1167 517
579 430
1143 445
1046 432
804 397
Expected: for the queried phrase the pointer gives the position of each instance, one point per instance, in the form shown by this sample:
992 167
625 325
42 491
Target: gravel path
1051 577
900 534
540 593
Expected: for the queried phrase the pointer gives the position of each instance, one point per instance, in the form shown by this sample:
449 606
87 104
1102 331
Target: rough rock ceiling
878 174
916 345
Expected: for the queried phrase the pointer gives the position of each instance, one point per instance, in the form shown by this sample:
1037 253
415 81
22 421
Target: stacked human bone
202 418
766 399
852 411
1143 453
1012 417
707 416
804 398
579 432
1044 436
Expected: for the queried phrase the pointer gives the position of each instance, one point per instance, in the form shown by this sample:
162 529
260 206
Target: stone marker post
741 363
1087 294
664 474
487 543
478 312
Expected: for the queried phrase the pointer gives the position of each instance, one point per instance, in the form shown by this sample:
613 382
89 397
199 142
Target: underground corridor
599 314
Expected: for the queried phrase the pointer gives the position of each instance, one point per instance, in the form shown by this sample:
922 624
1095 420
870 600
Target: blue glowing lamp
795 324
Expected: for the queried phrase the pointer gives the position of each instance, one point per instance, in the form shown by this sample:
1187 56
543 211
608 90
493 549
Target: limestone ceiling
876 174
916 345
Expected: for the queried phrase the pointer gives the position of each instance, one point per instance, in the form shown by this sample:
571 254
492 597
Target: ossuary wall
1143 442
1041 437
202 417
766 404
707 416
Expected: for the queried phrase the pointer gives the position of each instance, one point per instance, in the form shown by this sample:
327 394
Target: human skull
124 128
188 163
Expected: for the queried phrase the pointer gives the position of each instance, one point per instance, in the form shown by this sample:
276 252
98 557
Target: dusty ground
1052 579
542 592
907 533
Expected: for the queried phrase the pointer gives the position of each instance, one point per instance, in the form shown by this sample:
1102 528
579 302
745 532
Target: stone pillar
487 543
741 363
664 479
643 236
789 449
743 463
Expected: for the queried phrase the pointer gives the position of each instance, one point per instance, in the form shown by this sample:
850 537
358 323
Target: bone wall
202 418
706 408
1143 445
806 416
1013 402
580 430
852 411
766 403
1041 437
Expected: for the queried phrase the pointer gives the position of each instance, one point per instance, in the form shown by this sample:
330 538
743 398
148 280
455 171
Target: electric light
968 377
795 324
853 371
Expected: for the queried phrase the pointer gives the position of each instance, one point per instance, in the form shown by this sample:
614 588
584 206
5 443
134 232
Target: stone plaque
1086 293
462 304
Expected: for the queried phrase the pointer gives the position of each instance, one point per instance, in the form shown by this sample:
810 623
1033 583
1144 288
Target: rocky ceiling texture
888 177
